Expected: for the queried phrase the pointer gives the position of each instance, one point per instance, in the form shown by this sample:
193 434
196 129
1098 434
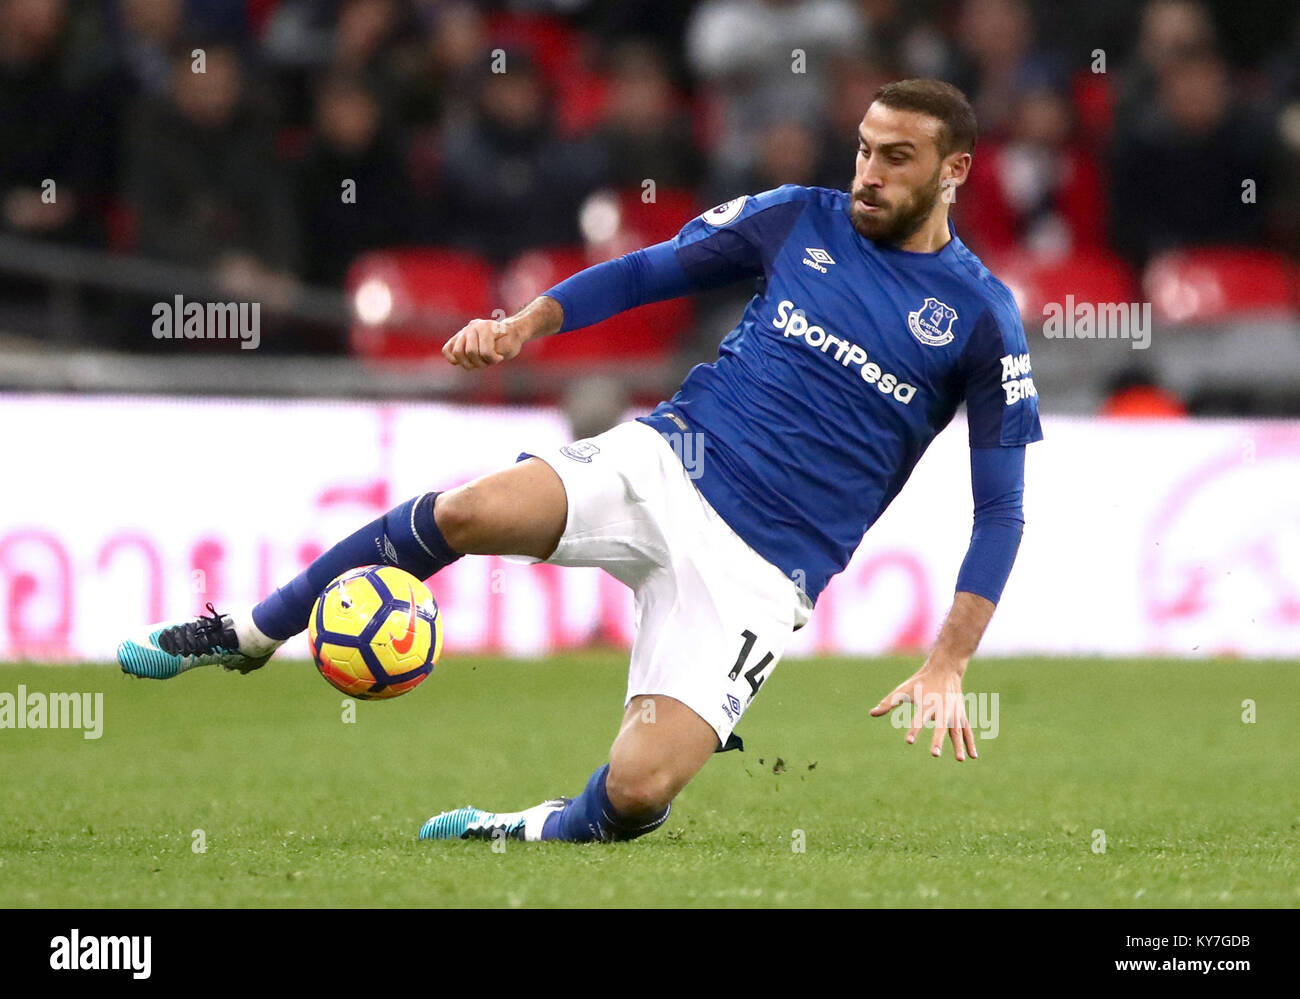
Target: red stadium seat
646 333
1089 277
531 273
618 221
407 302
656 221
1199 285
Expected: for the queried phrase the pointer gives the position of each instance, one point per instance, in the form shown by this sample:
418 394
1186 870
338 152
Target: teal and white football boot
173 647
474 823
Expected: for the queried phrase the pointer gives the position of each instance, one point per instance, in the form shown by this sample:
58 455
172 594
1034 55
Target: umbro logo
817 258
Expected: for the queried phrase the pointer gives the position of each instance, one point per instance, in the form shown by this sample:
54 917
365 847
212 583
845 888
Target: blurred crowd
487 127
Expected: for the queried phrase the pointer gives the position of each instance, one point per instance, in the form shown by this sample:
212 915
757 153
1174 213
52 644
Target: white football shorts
713 616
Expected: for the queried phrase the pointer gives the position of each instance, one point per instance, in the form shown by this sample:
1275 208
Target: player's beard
900 223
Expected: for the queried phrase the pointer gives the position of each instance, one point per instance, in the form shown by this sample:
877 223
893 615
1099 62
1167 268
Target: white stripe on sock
415 533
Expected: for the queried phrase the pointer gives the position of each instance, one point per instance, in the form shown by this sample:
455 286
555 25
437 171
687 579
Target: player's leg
665 738
713 624
660 747
713 621
519 510
686 658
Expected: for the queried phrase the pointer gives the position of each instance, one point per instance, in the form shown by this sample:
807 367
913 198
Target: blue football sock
406 536
591 817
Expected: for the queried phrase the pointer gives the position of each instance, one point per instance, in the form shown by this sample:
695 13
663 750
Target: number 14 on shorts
755 674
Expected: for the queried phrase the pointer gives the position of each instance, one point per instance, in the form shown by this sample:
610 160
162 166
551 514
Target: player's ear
956 168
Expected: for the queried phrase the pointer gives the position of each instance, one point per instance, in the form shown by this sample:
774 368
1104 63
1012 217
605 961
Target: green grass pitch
1198 807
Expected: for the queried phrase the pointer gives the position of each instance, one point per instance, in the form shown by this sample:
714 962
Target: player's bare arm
935 688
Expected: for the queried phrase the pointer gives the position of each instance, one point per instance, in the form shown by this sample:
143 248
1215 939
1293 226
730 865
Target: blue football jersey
848 361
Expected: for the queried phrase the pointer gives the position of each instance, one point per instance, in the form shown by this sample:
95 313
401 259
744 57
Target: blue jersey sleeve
740 238
1001 401
637 278
729 243
997 477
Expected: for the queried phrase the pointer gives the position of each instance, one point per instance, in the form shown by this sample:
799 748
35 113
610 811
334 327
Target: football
375 632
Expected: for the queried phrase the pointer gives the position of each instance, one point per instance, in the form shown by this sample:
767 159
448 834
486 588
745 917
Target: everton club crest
932 323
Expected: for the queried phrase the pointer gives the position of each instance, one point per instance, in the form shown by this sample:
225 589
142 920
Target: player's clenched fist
484 342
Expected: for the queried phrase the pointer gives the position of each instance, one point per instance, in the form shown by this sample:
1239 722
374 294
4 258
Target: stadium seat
406 302
656 221
646 333
1200 285
532 272
1088 277
618 221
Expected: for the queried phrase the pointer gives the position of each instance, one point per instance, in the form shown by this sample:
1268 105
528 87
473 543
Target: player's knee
459 516
640 791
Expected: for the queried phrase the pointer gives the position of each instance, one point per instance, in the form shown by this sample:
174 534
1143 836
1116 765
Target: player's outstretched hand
935 693
484 342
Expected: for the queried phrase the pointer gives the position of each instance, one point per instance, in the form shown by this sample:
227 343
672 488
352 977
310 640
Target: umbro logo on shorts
581 451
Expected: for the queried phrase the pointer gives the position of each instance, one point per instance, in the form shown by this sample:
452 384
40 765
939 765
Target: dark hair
938 100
